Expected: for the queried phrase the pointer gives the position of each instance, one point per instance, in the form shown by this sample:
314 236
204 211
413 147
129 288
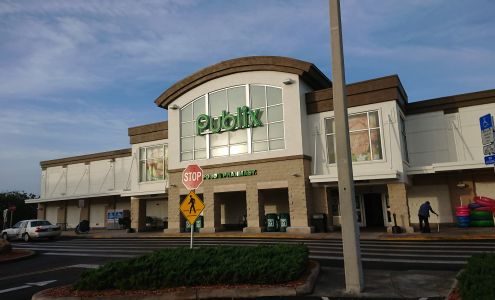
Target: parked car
31 229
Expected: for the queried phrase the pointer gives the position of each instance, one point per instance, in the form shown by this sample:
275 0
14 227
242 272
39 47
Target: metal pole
192 230
350 232
11 213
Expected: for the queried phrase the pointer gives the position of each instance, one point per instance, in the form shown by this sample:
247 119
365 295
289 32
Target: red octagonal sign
192 177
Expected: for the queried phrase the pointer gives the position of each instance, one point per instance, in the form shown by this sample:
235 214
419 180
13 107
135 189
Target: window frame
145 160
249 131
368 129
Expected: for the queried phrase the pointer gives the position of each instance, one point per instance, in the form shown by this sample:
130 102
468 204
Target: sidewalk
447 232
387 284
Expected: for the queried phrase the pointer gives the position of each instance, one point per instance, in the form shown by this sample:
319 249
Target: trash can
188 226
284 221
199 223
319 222
271 222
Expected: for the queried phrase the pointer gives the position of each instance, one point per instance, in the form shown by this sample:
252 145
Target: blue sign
115 215
486 122
490 160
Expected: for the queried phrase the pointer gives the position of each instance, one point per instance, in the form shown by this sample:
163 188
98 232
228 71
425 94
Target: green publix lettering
245 118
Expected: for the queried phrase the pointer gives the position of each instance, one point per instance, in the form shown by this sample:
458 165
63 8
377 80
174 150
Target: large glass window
269 136
152 163
192 145
269 100
364 134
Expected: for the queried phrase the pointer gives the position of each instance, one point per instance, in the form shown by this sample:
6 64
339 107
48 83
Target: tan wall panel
439 198
157 208
52 213
486 189
73 214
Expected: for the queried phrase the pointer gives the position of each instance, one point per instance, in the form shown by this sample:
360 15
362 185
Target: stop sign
192 177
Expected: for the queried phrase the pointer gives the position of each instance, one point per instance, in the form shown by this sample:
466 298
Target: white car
31 229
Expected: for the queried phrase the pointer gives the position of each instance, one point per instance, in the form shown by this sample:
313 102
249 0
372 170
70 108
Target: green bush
265 264
477 282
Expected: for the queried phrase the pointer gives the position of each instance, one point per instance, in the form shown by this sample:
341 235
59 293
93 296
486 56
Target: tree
22 211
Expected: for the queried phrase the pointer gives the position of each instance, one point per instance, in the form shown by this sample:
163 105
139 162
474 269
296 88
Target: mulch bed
14 254
67 291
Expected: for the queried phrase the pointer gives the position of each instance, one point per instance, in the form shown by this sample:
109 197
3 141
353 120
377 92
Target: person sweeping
423 215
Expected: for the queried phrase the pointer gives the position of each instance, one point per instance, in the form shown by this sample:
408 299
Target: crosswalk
383 254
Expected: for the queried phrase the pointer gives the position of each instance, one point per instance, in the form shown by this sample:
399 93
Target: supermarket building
262 129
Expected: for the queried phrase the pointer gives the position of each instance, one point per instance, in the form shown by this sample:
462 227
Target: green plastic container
481 215
482 223
188 226
284 221
199 222
272 222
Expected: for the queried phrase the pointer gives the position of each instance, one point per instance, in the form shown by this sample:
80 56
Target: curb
454 286
436 238
210 292
28 254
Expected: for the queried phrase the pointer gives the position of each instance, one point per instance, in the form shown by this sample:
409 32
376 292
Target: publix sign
245 118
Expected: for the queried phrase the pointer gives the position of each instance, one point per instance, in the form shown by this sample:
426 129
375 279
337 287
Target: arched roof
307 71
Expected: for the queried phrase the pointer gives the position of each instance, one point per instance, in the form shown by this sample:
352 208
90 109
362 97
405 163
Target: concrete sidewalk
387 284
445 233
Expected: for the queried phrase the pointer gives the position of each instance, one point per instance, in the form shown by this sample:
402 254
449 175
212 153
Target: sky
74 75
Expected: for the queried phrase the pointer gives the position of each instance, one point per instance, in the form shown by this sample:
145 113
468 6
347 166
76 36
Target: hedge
477 281
226 265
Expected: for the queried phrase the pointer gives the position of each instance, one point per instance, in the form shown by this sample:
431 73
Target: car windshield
40 223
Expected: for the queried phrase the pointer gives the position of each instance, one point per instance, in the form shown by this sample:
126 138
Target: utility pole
354 280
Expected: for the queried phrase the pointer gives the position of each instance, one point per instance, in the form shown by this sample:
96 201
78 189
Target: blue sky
74 75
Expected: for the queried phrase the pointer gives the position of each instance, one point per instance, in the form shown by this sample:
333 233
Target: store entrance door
373 209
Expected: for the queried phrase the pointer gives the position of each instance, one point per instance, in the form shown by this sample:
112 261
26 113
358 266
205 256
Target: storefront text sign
230 174
245 118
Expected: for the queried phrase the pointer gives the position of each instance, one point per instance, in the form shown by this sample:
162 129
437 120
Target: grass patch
227 265
477 282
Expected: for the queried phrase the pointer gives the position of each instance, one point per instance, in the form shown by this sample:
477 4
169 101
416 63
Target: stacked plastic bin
462 215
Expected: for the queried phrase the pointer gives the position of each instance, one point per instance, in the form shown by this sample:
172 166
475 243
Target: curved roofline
307 71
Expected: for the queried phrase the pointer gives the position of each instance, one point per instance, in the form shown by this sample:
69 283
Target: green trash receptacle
271 222
199 223
284 221
188 226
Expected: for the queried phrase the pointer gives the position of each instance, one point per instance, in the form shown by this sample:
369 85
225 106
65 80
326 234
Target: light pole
354 280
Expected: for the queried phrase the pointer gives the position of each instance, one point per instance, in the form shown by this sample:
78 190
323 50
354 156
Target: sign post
488 138
192 206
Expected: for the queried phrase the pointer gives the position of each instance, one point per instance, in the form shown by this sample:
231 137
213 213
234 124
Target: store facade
262 129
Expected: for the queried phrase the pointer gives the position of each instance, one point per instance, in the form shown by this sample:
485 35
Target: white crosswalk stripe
439 253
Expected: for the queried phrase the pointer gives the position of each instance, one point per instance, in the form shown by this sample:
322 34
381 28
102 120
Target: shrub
477 280
264 264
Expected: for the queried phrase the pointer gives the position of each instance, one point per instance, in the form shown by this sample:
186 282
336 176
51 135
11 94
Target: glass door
361 220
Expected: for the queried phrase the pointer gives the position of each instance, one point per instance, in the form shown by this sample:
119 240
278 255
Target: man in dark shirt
423 215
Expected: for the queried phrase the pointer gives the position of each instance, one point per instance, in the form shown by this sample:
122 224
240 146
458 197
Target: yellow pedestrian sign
191 207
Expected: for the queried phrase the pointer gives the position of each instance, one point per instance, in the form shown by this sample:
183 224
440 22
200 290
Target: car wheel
26 237
5 236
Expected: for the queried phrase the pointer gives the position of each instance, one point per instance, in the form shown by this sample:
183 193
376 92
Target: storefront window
268 136
152 163
364 134
269 100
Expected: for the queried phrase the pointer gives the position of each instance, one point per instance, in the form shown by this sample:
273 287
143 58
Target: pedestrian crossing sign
191 207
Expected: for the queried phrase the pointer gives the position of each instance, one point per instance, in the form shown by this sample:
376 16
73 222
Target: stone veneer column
212 212
138 214
300 199
397 197
321 204
173 211
255 209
